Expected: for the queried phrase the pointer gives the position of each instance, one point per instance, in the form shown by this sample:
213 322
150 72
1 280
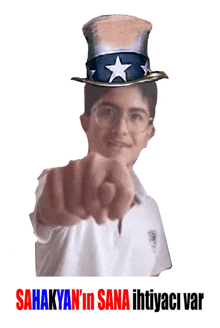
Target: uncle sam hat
117 51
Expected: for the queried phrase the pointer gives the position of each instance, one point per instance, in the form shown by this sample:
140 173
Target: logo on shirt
152 236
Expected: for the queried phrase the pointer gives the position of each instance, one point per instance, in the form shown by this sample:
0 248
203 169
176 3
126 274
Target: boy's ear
151 129
84 122
151 132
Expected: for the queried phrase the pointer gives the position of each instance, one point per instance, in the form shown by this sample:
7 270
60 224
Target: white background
42 47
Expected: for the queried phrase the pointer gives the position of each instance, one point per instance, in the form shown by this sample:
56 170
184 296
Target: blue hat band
118 67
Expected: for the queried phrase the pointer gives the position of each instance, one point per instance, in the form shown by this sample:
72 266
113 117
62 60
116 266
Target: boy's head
118 121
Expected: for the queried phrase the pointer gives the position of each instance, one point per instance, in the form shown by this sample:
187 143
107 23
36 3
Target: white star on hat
145 67
118 70
91 72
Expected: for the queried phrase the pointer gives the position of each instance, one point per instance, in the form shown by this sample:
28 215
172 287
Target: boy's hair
148 90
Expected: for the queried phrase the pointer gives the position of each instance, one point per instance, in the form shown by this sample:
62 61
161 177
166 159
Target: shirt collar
140 193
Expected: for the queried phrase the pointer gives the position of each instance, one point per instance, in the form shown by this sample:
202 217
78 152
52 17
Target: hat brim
151 77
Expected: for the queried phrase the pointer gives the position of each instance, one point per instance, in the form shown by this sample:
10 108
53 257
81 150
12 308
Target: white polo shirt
88 249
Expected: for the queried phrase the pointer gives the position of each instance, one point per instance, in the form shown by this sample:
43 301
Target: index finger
120 176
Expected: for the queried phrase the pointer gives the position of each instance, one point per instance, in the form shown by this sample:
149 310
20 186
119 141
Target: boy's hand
95 185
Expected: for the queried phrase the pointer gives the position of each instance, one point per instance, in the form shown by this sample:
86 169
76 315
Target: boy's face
119 138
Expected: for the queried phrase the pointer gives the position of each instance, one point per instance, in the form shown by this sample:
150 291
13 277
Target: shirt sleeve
162 259
42 232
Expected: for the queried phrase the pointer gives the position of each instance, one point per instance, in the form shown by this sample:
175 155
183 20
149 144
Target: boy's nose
120 126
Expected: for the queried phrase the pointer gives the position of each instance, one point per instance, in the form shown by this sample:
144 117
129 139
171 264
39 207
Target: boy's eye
136 117
106 111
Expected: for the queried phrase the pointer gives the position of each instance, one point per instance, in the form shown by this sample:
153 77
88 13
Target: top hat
117 51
